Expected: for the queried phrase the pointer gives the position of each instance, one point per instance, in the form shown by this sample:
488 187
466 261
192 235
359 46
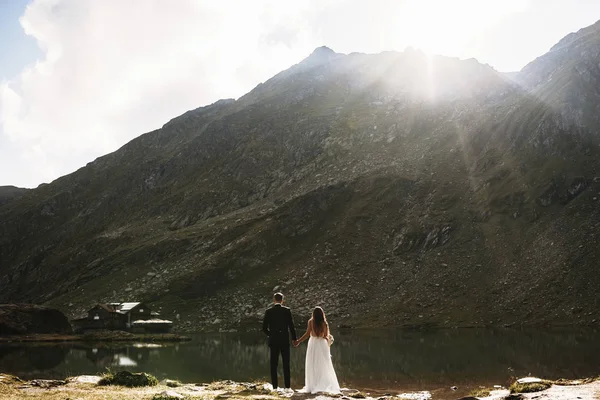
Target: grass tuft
9 379
481 392
128 379
529 387
574 382
161 396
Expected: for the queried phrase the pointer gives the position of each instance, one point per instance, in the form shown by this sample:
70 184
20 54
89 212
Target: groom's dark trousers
278 325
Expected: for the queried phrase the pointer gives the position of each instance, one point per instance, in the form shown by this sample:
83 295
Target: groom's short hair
278 297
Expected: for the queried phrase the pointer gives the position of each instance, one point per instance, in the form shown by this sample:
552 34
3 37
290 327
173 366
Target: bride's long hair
319 322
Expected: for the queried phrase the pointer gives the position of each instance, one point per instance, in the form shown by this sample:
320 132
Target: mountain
568 77
394 189
9 193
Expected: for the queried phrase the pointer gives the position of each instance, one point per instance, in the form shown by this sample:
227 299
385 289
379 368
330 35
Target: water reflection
39 361
402 360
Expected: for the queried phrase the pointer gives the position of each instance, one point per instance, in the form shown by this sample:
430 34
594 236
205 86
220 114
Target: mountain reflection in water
398 360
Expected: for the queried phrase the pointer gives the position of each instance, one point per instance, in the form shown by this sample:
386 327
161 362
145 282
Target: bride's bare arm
307 333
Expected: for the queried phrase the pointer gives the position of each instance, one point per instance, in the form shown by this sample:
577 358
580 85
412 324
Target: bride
319 375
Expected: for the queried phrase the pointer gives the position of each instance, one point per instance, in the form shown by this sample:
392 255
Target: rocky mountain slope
9 193
568 77
392 189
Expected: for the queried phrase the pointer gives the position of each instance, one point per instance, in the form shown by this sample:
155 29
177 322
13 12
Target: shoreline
103 336
147 387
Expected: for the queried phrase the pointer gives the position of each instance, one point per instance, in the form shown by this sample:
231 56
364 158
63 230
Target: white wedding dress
319 375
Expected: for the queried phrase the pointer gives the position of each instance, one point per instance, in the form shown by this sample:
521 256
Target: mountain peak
322 51
320 55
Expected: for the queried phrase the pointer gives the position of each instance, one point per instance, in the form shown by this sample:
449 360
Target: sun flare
449 27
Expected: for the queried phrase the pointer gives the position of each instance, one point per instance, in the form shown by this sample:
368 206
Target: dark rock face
21 319
412 190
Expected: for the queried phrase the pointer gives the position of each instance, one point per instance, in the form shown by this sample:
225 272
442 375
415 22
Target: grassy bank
89 388
141 386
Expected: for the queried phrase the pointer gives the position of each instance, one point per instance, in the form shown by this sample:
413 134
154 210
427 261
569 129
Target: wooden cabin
114 316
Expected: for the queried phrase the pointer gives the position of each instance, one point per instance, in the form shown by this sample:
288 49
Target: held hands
295 343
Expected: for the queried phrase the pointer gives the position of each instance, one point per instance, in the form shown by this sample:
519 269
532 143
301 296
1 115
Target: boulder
86 379
168 395
22 319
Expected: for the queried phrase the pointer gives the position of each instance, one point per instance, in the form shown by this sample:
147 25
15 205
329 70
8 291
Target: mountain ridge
568 76
392 188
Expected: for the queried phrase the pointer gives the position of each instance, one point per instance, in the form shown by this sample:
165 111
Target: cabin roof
119 308
125 307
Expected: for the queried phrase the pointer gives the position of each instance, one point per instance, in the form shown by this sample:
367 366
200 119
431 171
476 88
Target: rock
415 396
577 186
21 319
170 383
9 379
181 223
407 239
47 383
151 274
168 395
86 379
550 196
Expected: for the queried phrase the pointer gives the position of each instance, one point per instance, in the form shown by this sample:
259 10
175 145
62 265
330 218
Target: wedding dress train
319 375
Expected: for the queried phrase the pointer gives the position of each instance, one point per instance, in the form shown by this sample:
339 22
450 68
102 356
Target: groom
278 325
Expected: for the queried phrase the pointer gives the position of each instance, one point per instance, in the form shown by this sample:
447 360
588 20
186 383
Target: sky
80 78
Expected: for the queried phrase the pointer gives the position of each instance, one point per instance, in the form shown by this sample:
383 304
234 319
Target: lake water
379 360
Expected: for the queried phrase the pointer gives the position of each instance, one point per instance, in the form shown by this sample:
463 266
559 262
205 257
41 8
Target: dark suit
277 325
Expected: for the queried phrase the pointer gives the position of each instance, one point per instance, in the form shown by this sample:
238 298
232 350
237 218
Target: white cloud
115 69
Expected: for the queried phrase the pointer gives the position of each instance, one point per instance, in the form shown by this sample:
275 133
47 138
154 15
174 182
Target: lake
374 360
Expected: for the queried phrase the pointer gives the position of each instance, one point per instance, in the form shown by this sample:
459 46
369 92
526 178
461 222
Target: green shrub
126 378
